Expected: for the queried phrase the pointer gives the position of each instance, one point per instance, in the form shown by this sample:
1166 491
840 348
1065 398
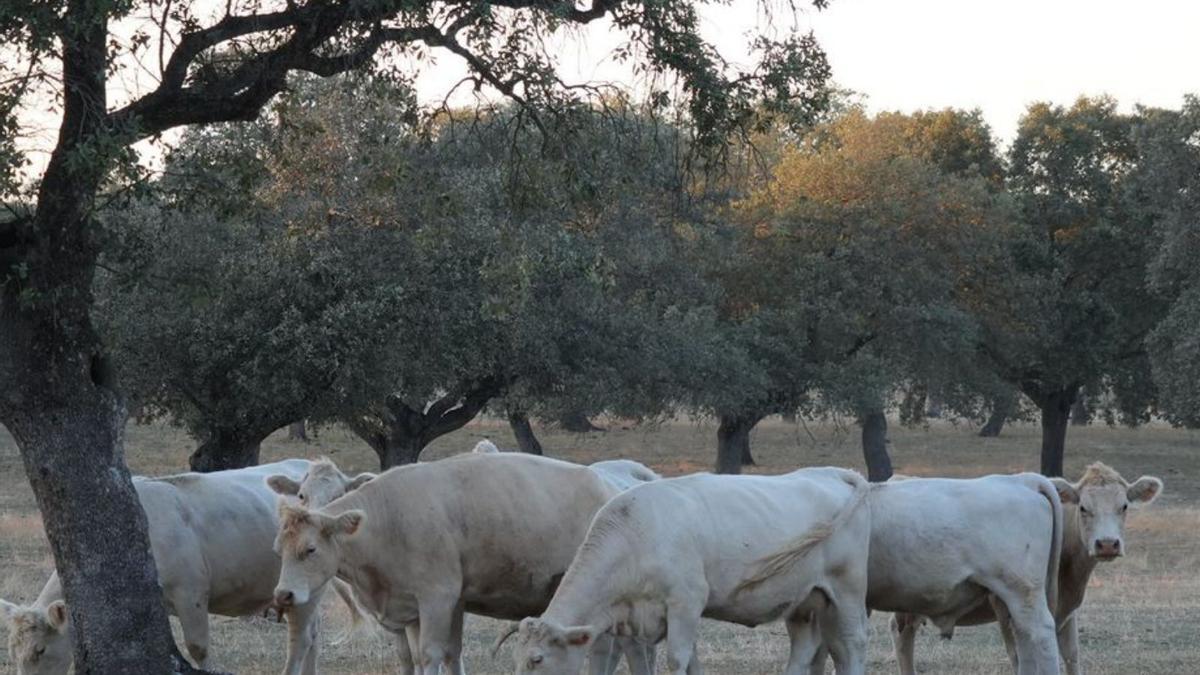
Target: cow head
546 648
310 545
1101 499
39 639
323 483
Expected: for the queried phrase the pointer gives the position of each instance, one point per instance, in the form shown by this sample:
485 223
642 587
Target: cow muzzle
1108 549
285 599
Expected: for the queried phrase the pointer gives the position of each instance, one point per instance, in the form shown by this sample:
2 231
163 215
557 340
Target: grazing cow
943 548
423 543
1093 531
211 538
744 549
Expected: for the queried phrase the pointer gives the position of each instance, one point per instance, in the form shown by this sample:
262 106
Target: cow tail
356 614
782 560
1047 490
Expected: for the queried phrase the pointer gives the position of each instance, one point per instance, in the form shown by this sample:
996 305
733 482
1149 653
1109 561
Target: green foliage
1167 186
853 271
1078 309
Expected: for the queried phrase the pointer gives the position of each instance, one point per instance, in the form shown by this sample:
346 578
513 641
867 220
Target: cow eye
1124 508
1083 510
37 653
310 550
300 496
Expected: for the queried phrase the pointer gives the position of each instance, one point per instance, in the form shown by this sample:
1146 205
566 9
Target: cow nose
1108 547
285 598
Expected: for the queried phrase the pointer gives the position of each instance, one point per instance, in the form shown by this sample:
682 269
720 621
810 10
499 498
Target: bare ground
1142 614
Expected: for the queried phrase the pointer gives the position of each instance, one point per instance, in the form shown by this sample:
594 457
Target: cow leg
1004 621
639 655
302 623
1068 645
408 646
437 630
694 667
604 657
843 623
193 619
805 638
313 653
683 625
904 641
1033 626
454 658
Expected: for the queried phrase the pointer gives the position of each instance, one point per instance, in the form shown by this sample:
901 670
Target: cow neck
1077 564
592 582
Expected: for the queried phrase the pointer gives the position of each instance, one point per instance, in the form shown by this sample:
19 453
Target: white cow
211 538
744 549
325 482
943 548
1093 531
490 534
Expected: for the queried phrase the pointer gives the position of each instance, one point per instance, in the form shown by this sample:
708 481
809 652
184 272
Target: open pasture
1142 613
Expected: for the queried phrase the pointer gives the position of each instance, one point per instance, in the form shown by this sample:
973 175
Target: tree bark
1002 409
578 423
874 446
298 431
226 449
59 397
733 441
1056 413
523 430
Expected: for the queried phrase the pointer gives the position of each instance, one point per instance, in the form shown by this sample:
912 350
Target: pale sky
907 54
997 56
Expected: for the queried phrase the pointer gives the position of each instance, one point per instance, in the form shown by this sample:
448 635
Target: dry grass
1142 614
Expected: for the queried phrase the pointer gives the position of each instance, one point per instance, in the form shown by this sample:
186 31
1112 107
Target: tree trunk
733 441
874 446
1002 409
523 430
1056 413
298 431
578 423
400 450
226 449
1079 412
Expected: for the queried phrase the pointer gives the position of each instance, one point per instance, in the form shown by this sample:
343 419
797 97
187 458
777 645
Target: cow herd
595 564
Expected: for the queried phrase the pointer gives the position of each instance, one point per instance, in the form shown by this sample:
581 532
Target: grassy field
1142 614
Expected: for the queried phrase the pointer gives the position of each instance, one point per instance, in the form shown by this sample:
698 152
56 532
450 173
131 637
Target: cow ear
1145 489
359 481
8 609
350 521
579 636
283 485
1066 492
56 613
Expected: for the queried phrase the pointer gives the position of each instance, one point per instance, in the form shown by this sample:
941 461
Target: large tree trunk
523 430
874 446
1002 409
1056 414
224 450
733 441
58 397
